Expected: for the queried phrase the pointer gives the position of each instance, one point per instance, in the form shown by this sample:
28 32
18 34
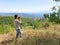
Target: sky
26 6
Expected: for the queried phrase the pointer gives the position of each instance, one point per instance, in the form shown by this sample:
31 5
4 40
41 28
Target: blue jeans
18 33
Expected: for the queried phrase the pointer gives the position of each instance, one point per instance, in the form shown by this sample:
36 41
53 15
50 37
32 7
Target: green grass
5 28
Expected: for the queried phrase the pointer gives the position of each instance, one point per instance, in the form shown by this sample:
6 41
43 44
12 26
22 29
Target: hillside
33 37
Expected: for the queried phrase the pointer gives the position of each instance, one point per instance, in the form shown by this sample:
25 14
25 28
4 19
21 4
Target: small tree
46 16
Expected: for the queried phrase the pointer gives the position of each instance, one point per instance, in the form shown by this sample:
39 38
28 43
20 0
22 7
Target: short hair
15 16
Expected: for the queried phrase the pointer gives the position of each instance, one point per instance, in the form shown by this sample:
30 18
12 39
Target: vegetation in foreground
35 36
38 37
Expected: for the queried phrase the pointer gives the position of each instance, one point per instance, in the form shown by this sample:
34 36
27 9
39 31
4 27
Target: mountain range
25 15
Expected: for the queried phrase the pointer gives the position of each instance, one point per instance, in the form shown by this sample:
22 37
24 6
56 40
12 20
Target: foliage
53 8
7 23
46 16
5 28
57 0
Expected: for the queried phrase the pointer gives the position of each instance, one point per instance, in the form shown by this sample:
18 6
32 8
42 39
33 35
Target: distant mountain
25 15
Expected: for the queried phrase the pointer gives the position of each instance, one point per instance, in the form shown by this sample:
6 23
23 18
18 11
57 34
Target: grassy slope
39 37
49 36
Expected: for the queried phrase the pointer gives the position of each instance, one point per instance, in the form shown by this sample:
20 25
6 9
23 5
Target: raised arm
18 21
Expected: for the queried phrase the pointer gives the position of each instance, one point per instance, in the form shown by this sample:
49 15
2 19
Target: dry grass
39 37
49 36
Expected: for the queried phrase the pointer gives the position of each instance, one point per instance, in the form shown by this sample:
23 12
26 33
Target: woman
17 23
